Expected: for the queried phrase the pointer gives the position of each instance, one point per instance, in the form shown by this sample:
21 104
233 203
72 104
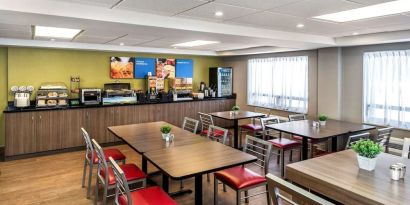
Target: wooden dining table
195 160
332 129
337 176
241 115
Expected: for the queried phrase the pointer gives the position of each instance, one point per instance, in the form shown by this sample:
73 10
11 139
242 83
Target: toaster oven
90 96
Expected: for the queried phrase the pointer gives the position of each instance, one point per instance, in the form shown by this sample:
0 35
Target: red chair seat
131 172
218 133
116 154
284 143
149 196
252 127
239 177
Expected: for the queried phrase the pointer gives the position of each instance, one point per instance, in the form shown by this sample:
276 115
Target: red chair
91 158
282 145
242 179
206 121
105 175
147 196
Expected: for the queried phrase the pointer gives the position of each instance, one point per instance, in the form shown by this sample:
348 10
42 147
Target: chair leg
278 157
181 184
290 155
238 197
268 196
246 197
215 191
90 176
84 172
282 162
208 178
224 187
105 194
97 185
312 150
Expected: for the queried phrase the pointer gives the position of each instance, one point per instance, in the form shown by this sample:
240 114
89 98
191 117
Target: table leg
165 183
334 144
235 134
198 190
305 148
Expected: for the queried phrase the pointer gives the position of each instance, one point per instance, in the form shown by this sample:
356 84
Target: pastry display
52 94
51 102
62 95
41 103
62 102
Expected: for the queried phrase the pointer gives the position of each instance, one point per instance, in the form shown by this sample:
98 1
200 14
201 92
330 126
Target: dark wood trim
52 152
2 153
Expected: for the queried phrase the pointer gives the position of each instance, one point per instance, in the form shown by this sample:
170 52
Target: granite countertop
33 108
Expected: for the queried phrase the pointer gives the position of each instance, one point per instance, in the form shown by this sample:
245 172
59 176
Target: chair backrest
89 153
121 184
218 134
190 124
268 121
355 138
297 117
294 194
259 148
383 136
406 148
206 120
102 163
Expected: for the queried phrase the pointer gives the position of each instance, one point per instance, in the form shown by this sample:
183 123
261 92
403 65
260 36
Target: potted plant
235 109
165 130
367 152
322 120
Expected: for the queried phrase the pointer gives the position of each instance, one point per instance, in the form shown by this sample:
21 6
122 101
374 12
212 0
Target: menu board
184 68
143 66
122 67
165 68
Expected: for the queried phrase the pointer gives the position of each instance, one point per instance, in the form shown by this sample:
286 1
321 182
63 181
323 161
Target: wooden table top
146 137
190 160
241 115
332 128
338 177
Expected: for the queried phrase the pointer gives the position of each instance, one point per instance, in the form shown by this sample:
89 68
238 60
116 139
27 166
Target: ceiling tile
161 7
311 8
257 4
130 41
92 39
4 33
381 21
15 27
103 3
207 12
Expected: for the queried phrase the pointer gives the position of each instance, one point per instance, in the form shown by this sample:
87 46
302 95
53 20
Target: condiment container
402 169
395 172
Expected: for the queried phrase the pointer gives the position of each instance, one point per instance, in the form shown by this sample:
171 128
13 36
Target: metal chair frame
121 184
102 165
214 137
262 150
406 148
206 120
268 132
190 125
297 117
355 138
277 186
383 137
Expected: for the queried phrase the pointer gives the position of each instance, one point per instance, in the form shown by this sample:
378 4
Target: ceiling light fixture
52 39
121 44
44 31
219 13
377 10
300 25
355 33
194 43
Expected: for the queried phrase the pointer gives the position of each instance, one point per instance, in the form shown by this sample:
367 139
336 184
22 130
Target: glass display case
52 95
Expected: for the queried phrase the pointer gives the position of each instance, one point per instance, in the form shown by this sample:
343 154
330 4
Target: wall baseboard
2 153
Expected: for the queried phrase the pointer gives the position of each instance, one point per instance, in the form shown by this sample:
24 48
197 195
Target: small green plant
236 108
322 117
165 129
366 148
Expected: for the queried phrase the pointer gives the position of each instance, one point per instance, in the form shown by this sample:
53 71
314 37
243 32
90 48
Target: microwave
90 96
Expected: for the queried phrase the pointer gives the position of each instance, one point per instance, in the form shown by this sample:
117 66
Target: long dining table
332 129
187 155
338 177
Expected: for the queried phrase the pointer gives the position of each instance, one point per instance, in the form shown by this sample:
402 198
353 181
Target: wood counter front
39 131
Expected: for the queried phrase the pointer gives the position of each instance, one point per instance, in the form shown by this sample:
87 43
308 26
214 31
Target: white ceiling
256 25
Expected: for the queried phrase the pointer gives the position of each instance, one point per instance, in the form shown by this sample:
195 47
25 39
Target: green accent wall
34 66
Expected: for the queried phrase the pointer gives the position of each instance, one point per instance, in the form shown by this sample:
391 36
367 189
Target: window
386 78
279 83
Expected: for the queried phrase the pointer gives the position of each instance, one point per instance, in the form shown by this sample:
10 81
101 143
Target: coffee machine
22 95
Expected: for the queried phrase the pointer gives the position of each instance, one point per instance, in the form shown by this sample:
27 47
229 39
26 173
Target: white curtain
280 83
386 78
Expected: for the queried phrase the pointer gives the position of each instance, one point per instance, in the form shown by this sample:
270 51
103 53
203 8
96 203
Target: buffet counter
33 130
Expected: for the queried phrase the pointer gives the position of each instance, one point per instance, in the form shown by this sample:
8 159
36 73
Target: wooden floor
56 179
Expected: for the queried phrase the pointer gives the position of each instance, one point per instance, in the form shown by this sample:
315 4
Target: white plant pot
366 163
235 112
322 123
165 136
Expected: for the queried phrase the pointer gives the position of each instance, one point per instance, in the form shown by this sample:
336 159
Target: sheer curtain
386 78
280 83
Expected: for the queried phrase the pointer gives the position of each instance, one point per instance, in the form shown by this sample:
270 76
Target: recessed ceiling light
355 33
219 13
194 43
52 39
300 25
384 9
121 44
44 31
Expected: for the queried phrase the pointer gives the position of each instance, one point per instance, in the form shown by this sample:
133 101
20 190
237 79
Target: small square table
194 160
227 115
